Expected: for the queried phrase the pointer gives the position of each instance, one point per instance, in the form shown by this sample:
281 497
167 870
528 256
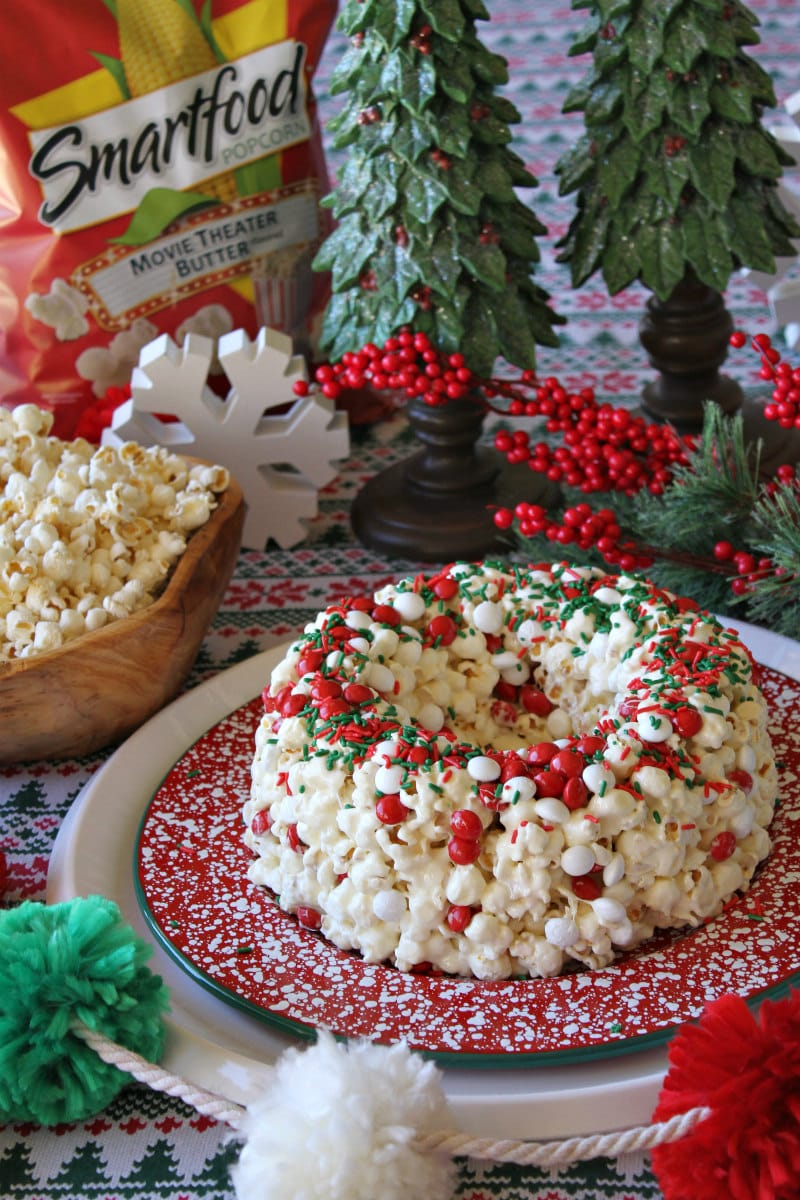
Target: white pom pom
339 1121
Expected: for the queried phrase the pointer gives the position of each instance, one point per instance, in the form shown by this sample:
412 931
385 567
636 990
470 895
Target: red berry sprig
784 405
408 363
604 448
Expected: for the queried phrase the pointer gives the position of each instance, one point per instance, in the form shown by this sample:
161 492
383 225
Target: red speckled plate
231 937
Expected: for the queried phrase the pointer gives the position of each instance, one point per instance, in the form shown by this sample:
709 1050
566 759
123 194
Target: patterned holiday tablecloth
146 1145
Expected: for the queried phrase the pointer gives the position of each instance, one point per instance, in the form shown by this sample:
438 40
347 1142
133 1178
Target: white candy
552 811
488 617
529 632
409 605
389 906
431 716
483 769
517 789
561 932
653 727
577 860
609 911
598 778
380 677
356 619
389 779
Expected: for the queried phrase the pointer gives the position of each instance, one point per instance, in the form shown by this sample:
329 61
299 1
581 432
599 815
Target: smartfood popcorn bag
161 168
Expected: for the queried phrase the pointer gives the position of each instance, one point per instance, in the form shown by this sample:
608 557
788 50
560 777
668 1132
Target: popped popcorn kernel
88 535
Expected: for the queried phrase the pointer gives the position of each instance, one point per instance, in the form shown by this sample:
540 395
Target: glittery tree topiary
675 176
431 232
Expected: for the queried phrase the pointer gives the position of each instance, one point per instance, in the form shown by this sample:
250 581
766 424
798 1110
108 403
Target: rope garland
560 1153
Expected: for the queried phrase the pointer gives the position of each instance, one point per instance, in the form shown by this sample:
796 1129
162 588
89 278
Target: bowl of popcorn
113 562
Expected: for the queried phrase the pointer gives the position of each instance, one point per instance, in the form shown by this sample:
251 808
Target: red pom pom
747 1072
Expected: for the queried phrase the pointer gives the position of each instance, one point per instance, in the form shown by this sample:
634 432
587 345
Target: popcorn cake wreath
76 994
504 771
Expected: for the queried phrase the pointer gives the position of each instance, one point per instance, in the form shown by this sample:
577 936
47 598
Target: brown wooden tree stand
437 505
687 338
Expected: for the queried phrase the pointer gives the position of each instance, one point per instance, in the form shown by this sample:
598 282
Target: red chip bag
161 172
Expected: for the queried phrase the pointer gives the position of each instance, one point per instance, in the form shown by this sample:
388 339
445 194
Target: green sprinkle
615 1027
193 774
244 949
656 816
173 923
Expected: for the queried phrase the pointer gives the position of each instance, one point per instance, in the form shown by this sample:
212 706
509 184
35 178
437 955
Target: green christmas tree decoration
675 172
431 232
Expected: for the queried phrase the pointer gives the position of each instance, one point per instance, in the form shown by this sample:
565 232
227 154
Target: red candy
444 588
261 822
549 783
568 763
384 614
586 888
333 707
743 778
589 744
463 851
442 629
293 704
459 917
294 839
534 701
466 824
390 809
309 918
310 660
575 793
723 846
687 722
540 754
358 693
322 688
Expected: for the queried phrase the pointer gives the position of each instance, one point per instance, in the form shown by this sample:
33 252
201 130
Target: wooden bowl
98 688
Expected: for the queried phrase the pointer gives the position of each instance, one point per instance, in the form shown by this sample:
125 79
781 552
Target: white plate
223 1049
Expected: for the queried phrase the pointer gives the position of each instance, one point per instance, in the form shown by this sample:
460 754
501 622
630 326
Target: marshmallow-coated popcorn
391 717
88 535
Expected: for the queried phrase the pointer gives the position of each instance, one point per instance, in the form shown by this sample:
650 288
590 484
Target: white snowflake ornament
279 460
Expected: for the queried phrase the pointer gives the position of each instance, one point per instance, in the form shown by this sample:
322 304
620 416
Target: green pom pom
61 962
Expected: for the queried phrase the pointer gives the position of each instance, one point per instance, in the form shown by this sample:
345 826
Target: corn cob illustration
161 43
